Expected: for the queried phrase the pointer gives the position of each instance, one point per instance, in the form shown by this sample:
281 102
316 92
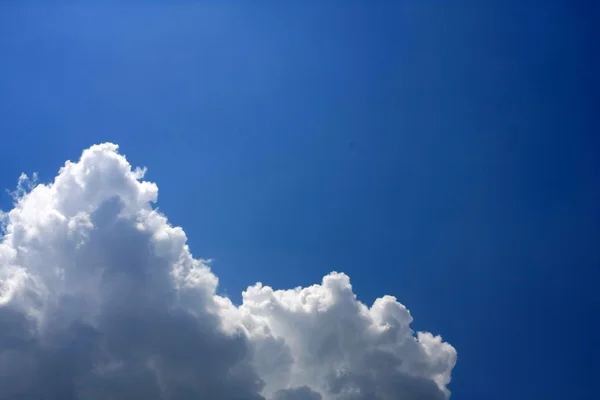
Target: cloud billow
100 298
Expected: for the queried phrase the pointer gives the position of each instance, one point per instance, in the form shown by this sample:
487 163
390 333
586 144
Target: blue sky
442 152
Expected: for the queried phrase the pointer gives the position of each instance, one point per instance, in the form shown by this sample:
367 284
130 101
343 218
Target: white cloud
100 298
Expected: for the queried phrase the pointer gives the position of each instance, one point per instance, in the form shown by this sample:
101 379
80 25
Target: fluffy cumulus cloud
100 298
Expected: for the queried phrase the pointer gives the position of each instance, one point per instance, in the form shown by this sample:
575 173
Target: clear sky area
446 153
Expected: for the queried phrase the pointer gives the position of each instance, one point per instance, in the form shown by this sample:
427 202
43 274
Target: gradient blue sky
443 152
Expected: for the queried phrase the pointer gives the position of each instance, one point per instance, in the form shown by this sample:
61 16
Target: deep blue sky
444 152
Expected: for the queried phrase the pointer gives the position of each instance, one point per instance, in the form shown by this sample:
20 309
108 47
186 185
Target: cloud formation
100 298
